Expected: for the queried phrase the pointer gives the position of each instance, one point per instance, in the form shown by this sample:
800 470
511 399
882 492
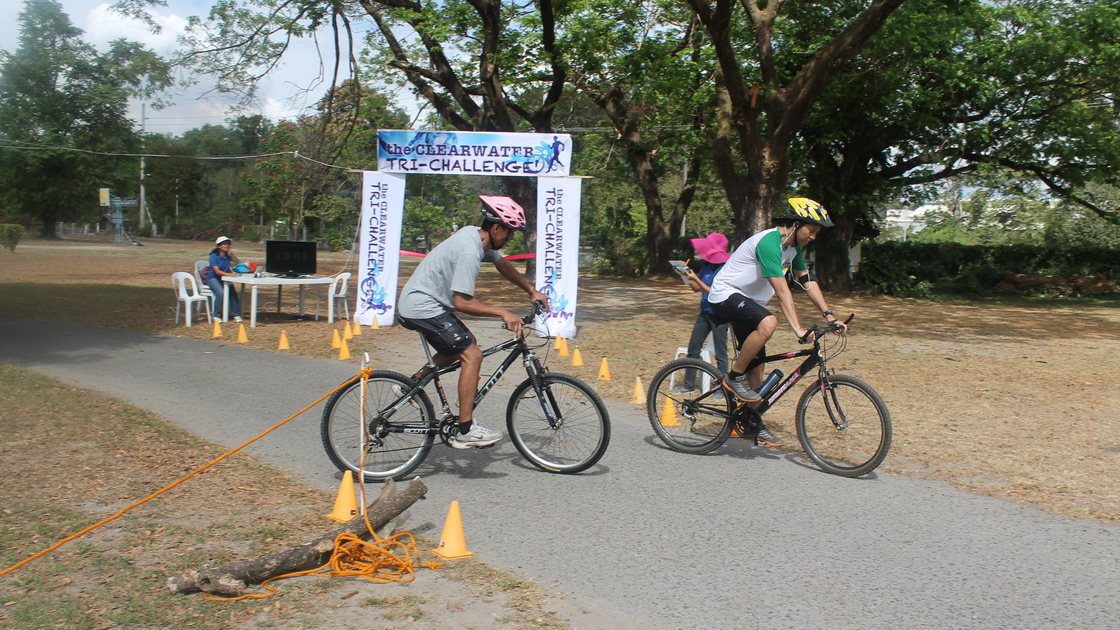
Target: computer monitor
290 258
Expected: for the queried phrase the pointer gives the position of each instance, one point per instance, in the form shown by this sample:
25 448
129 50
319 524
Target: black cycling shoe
741 388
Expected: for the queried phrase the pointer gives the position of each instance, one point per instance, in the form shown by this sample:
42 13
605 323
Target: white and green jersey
758 258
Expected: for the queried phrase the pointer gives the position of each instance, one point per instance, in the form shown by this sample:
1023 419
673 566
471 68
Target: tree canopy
853 104
60 100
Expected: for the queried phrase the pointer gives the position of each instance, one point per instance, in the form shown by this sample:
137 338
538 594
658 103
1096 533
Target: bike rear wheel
582 428
393 447
696 421
844 426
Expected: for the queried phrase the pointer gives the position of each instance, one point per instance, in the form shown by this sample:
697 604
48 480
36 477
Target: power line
26 146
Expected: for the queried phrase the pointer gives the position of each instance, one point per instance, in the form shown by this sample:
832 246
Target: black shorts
744 315
445 332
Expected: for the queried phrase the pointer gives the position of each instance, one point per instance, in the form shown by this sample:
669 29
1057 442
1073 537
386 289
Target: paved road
744 538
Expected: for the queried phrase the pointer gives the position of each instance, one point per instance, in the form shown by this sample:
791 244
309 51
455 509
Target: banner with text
558 204
474 153
379 248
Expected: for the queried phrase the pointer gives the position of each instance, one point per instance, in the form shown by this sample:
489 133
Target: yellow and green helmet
805 209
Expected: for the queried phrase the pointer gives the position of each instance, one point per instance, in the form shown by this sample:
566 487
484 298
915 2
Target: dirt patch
72 457
1007 397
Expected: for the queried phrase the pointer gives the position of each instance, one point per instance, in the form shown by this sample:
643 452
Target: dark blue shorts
446 333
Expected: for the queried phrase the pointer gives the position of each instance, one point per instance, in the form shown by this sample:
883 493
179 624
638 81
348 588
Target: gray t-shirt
452 267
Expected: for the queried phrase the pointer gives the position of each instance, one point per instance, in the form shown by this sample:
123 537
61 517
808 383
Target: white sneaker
477 437
398 391
237 319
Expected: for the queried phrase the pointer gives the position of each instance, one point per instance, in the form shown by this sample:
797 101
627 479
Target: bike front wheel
688 408
562 428
393 443
844 426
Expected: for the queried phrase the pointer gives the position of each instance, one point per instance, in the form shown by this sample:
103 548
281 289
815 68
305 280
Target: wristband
827 313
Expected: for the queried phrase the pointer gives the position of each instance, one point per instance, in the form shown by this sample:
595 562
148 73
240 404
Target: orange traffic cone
669 413
577 359
563 347
604 371
284 341
347 334
452 543
346 505
344 351
639 392
556 342
375 325
217 329
241 336
357 329
336 342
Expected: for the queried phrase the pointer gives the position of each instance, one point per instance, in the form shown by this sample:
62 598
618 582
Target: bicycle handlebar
830 328
538 309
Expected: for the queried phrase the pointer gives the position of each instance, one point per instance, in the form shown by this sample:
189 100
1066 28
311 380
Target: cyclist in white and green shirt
754 274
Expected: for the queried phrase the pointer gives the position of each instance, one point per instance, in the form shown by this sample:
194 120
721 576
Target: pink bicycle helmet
503 210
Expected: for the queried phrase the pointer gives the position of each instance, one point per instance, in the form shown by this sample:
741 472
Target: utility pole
143 143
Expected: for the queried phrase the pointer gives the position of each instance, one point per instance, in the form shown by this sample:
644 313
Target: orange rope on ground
392 559
362 373
382 561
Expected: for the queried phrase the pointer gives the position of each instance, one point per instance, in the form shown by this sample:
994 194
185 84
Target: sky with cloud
283 94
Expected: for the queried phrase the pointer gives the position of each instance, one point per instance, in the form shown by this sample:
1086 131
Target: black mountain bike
842 423
555 421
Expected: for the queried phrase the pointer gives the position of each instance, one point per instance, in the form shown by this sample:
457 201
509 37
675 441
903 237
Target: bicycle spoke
392 449
566 430
845 428
692 421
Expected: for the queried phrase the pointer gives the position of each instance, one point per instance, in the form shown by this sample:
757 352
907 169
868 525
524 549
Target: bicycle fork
832 403
534 368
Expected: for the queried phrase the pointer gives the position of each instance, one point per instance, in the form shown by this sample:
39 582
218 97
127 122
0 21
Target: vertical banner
558 203
379 247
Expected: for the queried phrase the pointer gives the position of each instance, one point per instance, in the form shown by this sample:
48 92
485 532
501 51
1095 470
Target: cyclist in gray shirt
444 282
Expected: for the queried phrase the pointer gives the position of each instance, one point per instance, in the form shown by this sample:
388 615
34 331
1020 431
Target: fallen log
231 580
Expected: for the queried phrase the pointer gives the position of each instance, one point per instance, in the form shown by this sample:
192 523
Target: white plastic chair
338 293
187 293
203 288
706 354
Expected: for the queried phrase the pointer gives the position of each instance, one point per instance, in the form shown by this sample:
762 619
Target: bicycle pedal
487 446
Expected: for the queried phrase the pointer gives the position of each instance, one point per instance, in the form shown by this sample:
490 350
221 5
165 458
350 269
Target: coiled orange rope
382 560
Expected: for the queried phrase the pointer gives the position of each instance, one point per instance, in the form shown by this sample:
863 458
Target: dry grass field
1011 397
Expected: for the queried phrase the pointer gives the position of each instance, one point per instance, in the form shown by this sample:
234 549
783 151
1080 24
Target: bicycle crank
747 421
448 428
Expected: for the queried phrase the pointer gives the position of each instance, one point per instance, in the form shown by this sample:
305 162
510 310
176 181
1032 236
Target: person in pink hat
713 250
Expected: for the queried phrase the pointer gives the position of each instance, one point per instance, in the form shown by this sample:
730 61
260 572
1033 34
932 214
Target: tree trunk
724 156
831 258
50 222
231 580
766 114
524 191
